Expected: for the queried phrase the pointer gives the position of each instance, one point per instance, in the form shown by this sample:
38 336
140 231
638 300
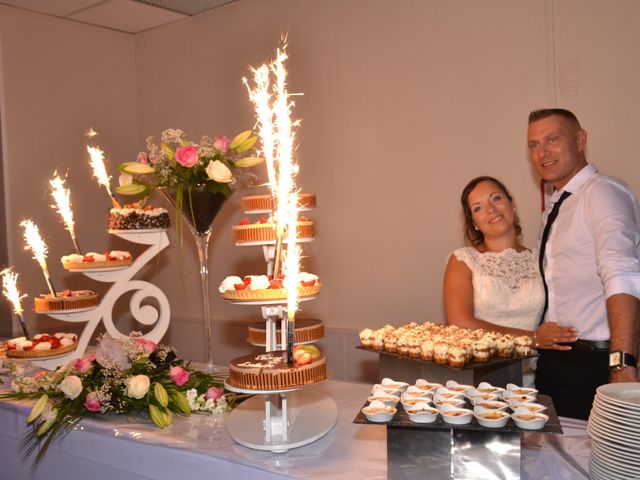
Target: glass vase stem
202 243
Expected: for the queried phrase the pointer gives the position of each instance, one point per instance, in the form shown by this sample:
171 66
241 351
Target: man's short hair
541 113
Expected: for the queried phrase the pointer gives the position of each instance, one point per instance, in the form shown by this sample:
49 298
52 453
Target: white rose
138 386
71 386
218 171
125 179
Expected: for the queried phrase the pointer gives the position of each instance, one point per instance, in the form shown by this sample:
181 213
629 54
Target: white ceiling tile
126 16
59 8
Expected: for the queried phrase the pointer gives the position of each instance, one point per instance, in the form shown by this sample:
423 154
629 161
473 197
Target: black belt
590 345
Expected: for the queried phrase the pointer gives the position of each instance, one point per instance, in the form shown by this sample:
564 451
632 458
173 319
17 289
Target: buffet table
115 447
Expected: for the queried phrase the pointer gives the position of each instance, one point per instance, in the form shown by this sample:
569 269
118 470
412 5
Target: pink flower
214 393
83 365
143 157
187 156
179 375
39 373
147 345
91 402
221 143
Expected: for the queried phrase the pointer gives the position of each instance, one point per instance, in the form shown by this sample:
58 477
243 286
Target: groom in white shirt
590 262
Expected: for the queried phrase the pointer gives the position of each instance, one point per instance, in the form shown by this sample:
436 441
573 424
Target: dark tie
543 244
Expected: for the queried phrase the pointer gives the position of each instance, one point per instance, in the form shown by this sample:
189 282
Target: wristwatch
619 360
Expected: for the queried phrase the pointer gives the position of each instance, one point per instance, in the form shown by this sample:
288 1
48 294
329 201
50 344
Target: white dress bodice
507 287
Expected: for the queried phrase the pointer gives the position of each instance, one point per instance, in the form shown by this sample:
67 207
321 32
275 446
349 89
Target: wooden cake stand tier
497 371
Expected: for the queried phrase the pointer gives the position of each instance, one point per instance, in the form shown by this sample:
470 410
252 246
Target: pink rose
83 365
179 375
187 156
39 373
221 143
147 345
91 402
214 393
143 157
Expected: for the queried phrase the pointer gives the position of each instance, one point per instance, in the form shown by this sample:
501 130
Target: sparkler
39 249
10 290
90 133
62 198
276 130
100 172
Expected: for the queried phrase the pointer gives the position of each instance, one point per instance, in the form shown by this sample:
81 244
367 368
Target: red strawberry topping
244 221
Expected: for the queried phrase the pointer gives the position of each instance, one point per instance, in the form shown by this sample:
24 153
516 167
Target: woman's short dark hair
474 236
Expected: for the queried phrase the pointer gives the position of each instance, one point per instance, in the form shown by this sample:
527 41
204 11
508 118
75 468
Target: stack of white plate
614 428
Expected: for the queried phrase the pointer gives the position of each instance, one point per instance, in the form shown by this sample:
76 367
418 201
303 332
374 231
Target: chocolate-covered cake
134 217
270 371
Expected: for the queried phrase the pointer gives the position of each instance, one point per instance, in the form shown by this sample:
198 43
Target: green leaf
223 188
132 189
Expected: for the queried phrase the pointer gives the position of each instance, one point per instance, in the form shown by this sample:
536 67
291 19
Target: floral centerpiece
130 376
180 164
196 178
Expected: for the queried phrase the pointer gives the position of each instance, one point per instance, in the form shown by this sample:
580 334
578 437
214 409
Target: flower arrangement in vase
196 178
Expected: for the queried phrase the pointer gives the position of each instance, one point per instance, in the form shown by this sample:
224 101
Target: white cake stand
145 314
289 418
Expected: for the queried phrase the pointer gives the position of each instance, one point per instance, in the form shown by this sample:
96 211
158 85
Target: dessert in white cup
410 403
493 405
423 414
523 418
450 402
456 415
513 389
457 387
490 417
515 402
486 387
387 399
476 398
532 407
423 384
390 383
377 411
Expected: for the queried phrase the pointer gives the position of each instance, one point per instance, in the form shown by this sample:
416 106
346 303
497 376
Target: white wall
404 102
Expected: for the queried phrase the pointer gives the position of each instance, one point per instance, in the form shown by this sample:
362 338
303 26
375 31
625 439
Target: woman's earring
476 228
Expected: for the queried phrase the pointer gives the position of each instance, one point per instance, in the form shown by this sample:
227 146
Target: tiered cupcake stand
123 282
278 420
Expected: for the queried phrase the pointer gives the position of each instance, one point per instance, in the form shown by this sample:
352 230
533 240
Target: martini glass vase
199 207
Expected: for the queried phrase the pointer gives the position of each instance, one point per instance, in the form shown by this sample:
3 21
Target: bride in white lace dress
495 283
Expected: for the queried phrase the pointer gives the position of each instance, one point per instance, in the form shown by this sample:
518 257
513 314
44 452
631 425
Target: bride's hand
551 335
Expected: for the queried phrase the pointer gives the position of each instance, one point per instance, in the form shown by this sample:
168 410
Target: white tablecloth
199 447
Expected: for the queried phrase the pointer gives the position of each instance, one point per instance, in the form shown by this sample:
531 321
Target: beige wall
404 102
58 79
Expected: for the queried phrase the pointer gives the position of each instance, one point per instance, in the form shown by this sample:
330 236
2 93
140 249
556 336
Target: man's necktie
543 243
